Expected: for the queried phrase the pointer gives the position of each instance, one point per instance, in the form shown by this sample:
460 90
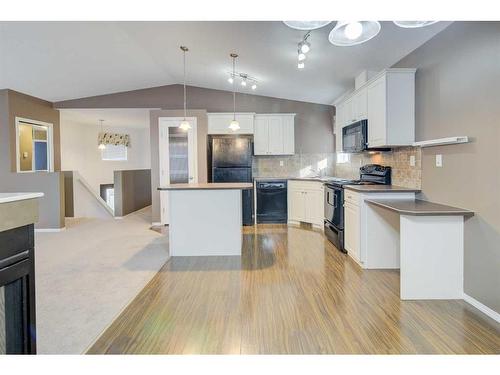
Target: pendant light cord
234 90
184 63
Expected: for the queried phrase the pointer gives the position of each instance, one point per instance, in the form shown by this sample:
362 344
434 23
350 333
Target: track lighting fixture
300 65
245 79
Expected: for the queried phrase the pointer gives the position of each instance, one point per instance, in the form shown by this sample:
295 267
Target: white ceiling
121 117
66 60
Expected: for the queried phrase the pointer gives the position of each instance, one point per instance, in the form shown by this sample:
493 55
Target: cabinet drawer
351 197
305 185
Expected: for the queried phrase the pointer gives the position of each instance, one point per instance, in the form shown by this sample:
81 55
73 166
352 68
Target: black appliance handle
335 201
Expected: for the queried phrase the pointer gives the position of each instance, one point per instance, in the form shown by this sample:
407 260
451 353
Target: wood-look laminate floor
290 292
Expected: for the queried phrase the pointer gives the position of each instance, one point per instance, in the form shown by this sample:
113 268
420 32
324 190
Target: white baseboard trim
156 224
483 308
119 217
49 230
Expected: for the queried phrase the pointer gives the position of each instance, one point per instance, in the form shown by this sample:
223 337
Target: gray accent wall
132 190
51 208
457 93
313 122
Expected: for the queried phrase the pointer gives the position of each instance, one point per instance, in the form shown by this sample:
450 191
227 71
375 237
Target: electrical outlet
439 160
412 160
281 163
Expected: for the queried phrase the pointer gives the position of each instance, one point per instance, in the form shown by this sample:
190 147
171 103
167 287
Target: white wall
79 152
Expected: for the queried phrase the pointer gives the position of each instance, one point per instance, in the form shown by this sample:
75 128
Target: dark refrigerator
231 161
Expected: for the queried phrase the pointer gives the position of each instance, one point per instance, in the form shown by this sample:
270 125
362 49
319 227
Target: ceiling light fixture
234 125
306 25
301 56
300 65
185 125
414 24
245 79
351 33
101 146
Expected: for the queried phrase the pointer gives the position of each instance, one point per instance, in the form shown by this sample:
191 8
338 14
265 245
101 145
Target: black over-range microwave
355 137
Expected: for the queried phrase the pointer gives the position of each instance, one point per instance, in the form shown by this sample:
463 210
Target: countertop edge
391 189
455 212
19 197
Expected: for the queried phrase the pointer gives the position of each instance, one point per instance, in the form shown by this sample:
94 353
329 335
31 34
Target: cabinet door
296 205
289 135
314 211
276 135
352 230
261 135
360 105
377 113
349 117
339 123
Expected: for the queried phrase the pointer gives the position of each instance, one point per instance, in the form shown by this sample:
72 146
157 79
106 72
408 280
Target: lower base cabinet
352 230
305 202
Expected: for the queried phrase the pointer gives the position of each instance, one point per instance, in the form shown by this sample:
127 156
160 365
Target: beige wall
457 93
25 146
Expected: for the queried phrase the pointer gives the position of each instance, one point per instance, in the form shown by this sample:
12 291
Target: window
114 152
34 146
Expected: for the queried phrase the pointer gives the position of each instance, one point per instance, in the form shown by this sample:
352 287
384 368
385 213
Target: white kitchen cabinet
391 109
274 134
218 123
305 202
339 123
387 101
352 230
360 104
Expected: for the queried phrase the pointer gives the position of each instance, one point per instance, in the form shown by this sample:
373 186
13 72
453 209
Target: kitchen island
205 218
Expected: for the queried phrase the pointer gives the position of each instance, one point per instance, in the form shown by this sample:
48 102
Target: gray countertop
380 189
12 197
418 207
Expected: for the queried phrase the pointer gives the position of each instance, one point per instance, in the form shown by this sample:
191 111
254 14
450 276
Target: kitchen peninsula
205 218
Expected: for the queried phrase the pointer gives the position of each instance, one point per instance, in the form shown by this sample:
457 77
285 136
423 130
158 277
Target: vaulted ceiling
66 60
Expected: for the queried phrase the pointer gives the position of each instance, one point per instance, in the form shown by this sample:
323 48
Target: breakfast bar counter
205 219
429 238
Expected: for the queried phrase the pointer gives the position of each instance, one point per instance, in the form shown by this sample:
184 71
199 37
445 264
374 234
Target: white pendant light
101 146
351 33
414 24
185 125
234 125
306 25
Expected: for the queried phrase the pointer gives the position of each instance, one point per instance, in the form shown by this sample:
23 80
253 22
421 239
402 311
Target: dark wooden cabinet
17 291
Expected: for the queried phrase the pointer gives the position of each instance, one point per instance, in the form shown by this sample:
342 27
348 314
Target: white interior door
178 157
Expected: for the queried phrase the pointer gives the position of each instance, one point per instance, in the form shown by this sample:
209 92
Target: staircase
86 202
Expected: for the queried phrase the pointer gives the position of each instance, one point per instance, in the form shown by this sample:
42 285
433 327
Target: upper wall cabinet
388 102
218 123
274 134
391 109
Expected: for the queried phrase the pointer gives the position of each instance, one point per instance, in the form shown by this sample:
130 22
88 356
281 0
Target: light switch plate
281 163
412 160
439 160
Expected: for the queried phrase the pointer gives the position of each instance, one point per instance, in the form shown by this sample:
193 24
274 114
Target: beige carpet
88 273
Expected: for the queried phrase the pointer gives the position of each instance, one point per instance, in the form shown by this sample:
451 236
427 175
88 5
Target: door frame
50 144
164 123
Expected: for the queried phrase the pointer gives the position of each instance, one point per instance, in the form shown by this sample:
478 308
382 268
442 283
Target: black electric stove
370 174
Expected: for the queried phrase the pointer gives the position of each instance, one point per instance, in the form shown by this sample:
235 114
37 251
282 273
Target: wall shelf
442 141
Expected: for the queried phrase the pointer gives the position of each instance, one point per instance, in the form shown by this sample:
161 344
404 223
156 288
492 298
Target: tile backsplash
298 165
347 165
343 165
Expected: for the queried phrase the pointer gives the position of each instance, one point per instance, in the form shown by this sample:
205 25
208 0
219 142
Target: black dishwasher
272 201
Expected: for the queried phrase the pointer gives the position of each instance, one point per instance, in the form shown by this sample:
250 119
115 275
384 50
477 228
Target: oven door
334 210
